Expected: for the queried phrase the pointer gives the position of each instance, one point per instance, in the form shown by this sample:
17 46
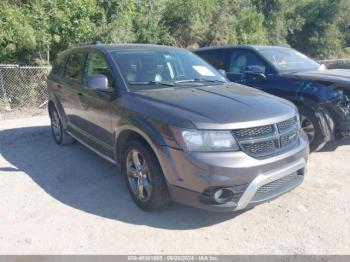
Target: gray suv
176 127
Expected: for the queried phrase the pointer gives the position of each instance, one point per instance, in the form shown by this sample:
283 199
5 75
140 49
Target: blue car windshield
287 59
149 68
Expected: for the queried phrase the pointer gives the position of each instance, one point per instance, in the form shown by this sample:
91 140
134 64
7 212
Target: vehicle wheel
144 177
60 135
310 125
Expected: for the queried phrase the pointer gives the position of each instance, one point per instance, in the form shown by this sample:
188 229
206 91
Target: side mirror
256 70
222 72
97 82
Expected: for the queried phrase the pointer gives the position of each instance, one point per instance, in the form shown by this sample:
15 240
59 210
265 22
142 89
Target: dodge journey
176 128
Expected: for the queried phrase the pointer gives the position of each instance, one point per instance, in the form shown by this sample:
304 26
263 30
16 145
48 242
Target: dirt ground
67 200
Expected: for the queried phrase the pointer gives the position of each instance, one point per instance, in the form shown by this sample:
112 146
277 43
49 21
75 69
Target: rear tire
311 126
144 177
59 134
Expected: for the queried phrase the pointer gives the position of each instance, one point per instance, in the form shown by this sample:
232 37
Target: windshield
285 59
146 69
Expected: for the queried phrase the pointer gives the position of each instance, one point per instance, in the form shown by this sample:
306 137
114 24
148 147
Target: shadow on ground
79 178
332 146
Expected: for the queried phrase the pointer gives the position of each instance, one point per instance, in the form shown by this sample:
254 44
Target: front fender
322 114
158 138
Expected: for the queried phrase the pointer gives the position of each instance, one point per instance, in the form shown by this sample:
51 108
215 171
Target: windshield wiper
200 80
164 83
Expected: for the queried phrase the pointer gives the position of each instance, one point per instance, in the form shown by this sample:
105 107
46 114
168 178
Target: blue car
321 95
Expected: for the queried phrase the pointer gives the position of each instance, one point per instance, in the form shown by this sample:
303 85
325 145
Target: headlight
205 141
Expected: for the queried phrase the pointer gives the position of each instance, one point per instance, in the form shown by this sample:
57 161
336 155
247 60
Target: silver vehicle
176 127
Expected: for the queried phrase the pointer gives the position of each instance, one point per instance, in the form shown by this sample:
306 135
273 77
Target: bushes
319 28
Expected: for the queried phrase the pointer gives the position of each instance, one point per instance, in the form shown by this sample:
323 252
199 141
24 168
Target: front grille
254 132
286 125
289 138
276 184
261 148
267 140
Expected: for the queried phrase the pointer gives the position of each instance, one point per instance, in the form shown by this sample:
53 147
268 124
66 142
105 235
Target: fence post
7 106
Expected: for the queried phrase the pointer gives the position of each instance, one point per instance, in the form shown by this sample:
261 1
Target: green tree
280 18
320 35
17 37
114 23
148 25
320 28
187 21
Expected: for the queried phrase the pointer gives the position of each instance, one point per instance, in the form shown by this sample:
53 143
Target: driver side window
240 59
96 64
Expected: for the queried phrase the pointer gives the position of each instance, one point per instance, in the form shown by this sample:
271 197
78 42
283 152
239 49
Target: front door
239 60
96 105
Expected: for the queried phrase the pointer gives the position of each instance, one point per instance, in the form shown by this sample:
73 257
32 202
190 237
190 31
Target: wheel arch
324 117
127 133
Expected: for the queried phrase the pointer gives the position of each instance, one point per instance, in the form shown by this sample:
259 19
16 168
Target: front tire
59 134
144 177
311 126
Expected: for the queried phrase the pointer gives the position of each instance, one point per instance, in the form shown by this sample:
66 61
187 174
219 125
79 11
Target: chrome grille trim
262 148
288 124
276 184
268 140
261 131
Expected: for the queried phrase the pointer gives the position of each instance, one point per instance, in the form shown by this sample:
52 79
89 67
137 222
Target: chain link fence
23 90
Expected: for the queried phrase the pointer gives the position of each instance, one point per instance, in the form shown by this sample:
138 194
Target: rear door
55 85
218 58
71 85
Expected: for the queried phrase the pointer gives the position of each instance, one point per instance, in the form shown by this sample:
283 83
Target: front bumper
190 175
250 197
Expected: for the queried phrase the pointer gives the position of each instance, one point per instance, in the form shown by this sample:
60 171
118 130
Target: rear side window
73 67
58 65
216 58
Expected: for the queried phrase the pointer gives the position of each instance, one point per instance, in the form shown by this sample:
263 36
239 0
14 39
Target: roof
115 47
252 47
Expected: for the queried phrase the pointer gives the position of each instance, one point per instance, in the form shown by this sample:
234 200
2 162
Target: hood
227 106
341 76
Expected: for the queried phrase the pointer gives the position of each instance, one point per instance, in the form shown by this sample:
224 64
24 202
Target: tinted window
216 58
96 64
58 65
240 59
73 66
145 69
286 59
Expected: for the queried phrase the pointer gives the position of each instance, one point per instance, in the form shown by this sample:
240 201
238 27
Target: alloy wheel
138 175
56 126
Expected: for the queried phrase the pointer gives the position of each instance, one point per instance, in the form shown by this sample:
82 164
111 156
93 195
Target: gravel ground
67 200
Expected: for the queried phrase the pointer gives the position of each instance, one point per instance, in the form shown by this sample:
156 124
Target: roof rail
86 43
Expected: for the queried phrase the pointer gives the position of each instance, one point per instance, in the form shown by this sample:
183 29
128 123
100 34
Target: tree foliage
319 28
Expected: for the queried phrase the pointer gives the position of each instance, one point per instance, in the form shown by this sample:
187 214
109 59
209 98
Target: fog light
222 195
